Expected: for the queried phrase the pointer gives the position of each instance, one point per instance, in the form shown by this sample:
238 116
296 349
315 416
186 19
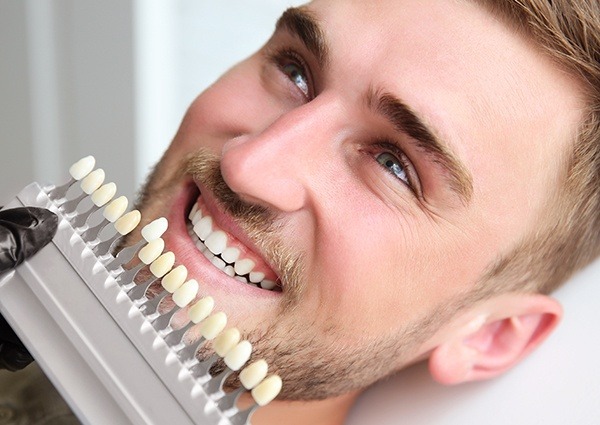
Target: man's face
374 173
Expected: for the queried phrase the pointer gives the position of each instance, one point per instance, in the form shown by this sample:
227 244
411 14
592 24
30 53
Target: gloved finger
13 357
23 232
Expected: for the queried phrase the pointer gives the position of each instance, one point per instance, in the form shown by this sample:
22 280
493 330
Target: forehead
489 92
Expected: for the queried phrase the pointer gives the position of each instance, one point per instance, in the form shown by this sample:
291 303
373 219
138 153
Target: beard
308 351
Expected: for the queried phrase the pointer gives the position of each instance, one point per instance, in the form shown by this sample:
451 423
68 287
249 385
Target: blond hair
568 238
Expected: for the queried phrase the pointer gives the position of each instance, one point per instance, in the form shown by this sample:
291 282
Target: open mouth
223 249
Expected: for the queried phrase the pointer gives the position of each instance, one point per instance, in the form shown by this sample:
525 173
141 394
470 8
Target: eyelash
283 56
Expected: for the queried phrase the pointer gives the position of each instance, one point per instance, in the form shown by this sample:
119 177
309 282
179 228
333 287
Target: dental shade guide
106 343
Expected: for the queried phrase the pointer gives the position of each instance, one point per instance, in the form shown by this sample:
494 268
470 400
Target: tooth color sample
175 278
225 342
128 222
151 251
253 374
201 309
93 181
267 390
82 167
186 293
213 325
115 209
163 264
155 229
104 194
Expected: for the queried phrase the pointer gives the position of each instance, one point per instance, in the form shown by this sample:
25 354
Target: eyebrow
301 22
407 121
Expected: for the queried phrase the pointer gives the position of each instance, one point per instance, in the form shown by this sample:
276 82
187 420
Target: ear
492 337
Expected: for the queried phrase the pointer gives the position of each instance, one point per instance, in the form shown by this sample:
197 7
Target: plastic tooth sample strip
107 345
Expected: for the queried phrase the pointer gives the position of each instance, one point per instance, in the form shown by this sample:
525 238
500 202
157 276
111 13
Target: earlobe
513 325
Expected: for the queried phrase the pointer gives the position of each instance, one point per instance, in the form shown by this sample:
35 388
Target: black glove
23 232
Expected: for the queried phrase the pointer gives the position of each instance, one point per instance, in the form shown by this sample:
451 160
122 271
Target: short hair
568 237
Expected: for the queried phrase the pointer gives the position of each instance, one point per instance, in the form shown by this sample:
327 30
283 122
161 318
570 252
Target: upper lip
231 226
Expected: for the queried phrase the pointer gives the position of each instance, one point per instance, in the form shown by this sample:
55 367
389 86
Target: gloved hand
23 232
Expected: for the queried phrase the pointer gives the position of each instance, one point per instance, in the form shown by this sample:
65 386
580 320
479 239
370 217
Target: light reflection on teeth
212 243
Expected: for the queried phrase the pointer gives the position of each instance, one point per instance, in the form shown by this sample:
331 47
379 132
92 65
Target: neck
332 411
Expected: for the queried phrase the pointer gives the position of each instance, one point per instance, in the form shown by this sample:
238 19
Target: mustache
261 224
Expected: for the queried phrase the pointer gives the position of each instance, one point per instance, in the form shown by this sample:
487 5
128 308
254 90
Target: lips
214 248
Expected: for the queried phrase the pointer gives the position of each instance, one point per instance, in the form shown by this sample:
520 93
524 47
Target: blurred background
111 78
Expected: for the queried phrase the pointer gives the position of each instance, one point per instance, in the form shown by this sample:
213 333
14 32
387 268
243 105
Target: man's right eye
294 67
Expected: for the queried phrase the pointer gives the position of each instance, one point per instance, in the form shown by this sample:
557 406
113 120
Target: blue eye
297 75
393 165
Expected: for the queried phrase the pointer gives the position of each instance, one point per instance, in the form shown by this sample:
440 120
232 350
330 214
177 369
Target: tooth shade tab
128 222
213 325
175 278
93 181
163 264
115 209
155 229
226 341
253 374
237 357
201 309
82 167
151 251
267 390
104 194
186 293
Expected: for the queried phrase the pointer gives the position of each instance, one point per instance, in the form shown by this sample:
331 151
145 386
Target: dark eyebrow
405 120
301 22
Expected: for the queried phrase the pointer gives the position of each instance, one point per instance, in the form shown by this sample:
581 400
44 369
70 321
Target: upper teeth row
213 243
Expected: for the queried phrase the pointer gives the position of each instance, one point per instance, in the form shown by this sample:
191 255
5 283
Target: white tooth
251 375
218 263
175 278
93 181
243 267
163 264
128 222
230 255
241 279
197 217
193 212
256 277
229 271
267 390
104 194
226 341
201 309
82 167
268 284
200 245
216 242
115 209
155 229
213 325
209 255
238 355
204 227
186 293
151 251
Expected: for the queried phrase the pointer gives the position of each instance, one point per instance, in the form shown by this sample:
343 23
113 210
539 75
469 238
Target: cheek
236 104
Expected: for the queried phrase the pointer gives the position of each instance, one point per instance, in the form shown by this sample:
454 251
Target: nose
276 166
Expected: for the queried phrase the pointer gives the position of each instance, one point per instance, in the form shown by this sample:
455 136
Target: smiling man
400 180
